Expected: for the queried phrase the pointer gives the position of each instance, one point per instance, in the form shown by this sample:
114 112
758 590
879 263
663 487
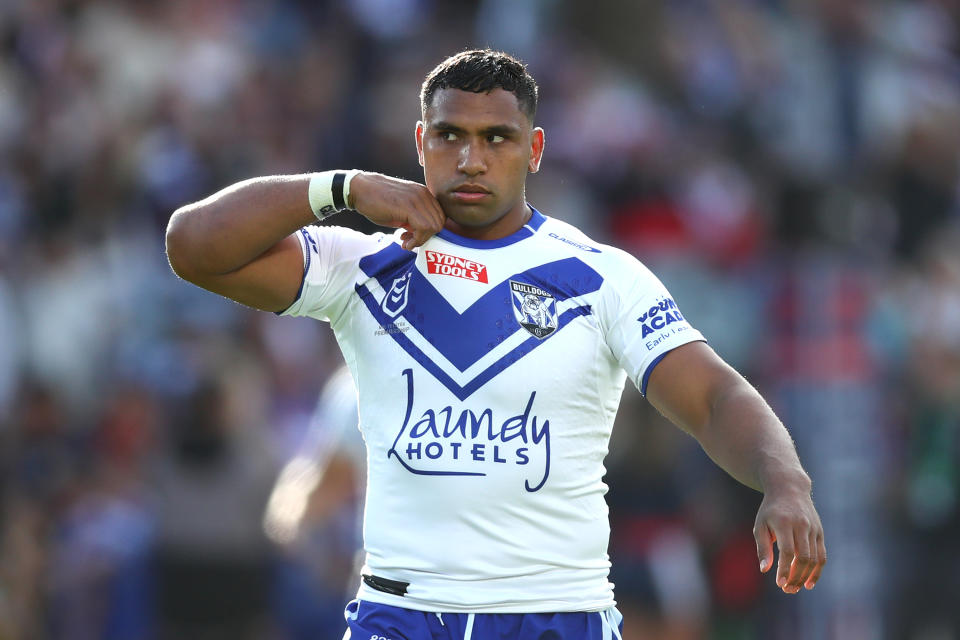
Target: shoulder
618 267
568 237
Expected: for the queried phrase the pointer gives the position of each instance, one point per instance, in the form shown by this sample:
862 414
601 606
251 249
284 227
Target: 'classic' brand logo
573 243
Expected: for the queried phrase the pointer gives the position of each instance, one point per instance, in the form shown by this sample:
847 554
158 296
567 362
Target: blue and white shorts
374 621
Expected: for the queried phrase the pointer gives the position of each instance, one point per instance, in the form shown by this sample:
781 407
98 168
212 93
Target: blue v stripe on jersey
367 620
488 321
465 391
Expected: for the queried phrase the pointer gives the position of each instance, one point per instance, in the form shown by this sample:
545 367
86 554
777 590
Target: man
486 432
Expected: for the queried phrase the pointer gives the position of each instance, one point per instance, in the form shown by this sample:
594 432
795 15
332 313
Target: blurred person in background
314 515
929 502
213 561
100 573
531 562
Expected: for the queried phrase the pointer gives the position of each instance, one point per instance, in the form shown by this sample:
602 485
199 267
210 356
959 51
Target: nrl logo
396 299
535 309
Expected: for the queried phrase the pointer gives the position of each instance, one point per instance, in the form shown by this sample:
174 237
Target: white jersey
489 375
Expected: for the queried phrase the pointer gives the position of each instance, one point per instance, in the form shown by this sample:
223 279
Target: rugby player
489 344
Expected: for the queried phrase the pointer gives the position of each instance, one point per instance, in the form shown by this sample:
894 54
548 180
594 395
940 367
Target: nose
472 161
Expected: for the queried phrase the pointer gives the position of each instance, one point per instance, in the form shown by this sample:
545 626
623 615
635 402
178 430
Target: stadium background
788 167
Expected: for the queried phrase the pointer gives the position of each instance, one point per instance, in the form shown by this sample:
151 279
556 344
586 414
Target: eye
448 136
495 139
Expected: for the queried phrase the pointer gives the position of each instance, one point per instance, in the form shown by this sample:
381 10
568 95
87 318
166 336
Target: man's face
476 150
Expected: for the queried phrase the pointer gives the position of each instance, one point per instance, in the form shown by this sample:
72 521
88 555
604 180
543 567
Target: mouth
470 192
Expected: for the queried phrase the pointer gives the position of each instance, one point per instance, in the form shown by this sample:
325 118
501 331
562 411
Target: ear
419 136
536 150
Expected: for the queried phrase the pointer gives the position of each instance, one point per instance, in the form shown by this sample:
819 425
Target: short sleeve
331 256
641 320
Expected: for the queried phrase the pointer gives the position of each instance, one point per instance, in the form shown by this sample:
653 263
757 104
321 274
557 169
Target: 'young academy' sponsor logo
659 316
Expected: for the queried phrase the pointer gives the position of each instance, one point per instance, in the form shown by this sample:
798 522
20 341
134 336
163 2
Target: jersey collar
524 232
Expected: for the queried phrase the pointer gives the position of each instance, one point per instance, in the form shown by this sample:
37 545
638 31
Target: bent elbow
177 245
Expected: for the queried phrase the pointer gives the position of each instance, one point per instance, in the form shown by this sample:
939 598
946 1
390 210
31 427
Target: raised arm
704 396
238 242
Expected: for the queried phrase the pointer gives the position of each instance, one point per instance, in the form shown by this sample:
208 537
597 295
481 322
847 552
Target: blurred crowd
788 167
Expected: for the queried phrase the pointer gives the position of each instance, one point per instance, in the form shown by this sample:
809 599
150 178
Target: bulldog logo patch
534 308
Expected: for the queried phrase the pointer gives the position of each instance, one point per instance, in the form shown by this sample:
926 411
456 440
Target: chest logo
445 264
534 308
396 299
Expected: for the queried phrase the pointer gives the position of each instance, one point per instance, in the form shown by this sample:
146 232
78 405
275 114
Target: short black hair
482 71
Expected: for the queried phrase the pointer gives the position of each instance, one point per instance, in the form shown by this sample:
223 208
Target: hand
790 519
392 202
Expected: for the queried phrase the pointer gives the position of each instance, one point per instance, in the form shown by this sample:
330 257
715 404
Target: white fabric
468 631
487 406
611 624
320 192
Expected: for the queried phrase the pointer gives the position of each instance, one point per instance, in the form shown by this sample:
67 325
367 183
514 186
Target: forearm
232 227
706 397
744 436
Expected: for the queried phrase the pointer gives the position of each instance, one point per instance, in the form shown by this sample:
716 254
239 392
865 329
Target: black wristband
336 186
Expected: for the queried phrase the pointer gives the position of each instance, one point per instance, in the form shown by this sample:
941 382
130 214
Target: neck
507 224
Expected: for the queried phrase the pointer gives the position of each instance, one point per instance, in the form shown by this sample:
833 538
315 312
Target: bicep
270 282
685 382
